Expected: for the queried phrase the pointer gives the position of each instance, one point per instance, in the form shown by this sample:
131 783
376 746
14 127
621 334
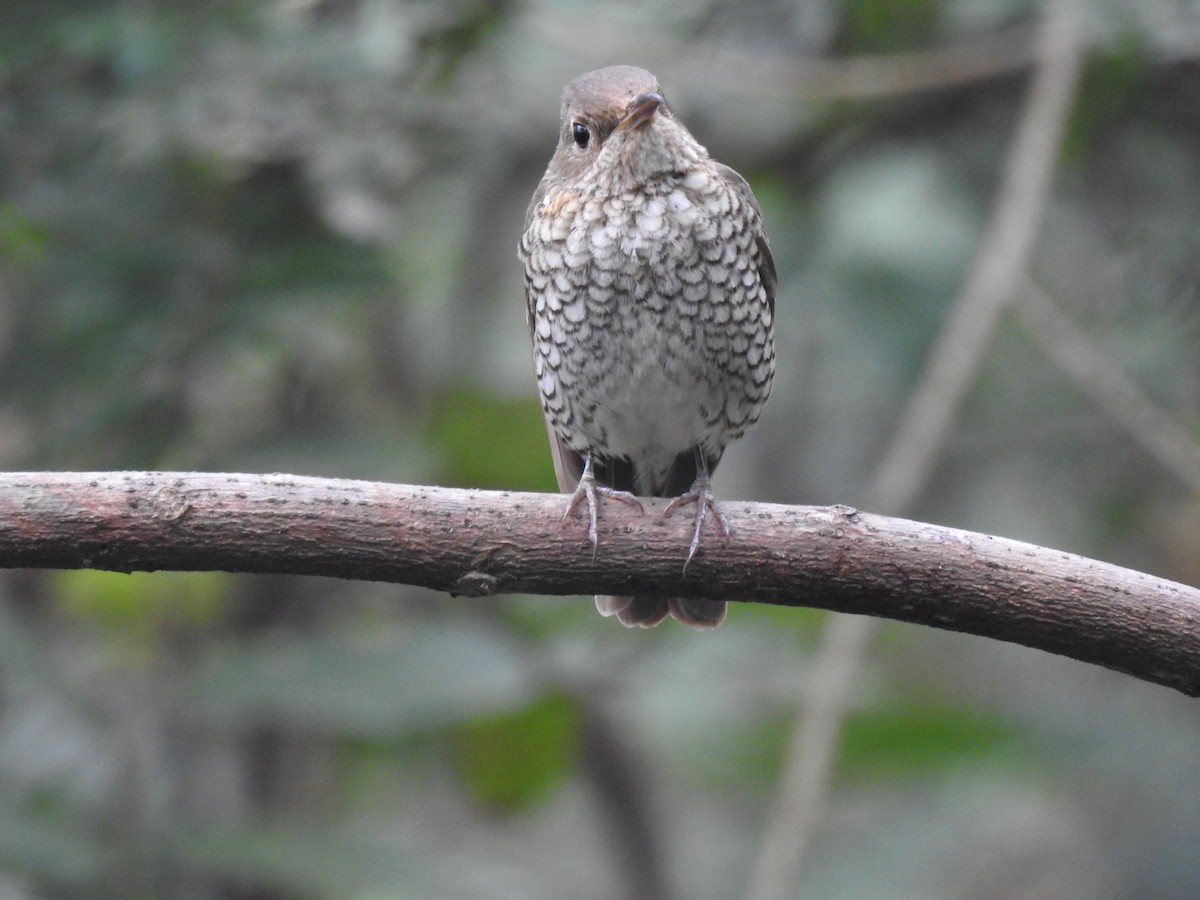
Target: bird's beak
641 110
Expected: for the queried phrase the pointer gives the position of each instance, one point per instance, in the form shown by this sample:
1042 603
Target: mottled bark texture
478 543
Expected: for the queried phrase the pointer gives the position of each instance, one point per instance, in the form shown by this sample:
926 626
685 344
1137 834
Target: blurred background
280 236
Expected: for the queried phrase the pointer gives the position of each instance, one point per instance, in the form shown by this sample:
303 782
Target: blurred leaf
489 441
804 621
915 739
142 602
22 240
547 619
881 26
511 761
466 27
1112 84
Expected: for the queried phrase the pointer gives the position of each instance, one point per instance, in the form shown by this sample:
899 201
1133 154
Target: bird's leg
587 491
701 493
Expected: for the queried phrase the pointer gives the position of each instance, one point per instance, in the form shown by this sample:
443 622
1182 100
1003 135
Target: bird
650 299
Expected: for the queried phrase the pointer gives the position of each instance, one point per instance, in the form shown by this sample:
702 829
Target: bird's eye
581 135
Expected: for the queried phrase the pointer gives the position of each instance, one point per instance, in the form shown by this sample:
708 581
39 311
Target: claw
587 491
701 493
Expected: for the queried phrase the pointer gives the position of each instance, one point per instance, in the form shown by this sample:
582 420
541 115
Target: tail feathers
633 612
699 613
646 612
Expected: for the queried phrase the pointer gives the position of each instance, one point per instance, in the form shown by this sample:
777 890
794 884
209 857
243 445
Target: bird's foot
701 494
587 491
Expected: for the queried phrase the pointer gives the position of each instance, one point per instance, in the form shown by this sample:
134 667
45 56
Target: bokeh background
280 236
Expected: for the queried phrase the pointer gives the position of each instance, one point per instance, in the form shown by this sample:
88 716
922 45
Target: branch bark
479 543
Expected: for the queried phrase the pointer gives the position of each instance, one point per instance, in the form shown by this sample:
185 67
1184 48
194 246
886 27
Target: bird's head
617 132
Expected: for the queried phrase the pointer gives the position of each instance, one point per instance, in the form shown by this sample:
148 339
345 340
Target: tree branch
922 431
997 270
479 543
1106 384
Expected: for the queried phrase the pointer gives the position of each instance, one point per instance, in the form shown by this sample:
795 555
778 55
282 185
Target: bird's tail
646 612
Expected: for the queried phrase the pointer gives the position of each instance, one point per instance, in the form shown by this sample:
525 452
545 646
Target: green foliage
882 26
511 761
485 440
142 604
1114 83
910 739
22 240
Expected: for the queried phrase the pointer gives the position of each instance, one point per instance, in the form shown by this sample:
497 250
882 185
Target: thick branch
486 542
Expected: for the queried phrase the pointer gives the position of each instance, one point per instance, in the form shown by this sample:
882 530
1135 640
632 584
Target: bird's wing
766 262
568 465
523 251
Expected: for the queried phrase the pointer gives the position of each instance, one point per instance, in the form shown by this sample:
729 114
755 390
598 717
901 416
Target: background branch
998 269
1107 385
487 542
922 431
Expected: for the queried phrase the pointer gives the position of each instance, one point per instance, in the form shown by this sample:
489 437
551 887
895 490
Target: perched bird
650 296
